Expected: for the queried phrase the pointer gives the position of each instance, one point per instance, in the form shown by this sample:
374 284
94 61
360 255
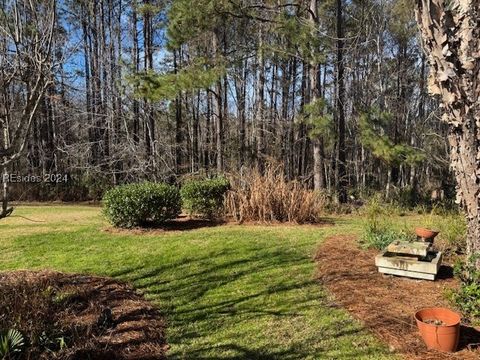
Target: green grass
227 292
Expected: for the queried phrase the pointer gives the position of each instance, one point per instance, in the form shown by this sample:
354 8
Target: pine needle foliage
156 86
373 136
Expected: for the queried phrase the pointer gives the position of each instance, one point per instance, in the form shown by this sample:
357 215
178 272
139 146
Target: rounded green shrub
142 204
205 197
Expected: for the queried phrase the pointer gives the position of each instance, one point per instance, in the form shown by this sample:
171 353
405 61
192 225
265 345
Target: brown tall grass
270 198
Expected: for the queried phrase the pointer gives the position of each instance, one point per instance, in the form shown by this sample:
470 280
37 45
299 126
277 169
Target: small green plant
453 233
467 297
63 297
380 237
52 342
378 231
142 204
205 197
11 344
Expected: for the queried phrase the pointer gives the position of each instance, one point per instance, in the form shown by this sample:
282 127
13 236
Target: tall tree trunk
96 73
451 38
179 139
6 211
291 119
340 105
240 89
136 67
218 107
318 175
208 136
148 65
196 99
260 103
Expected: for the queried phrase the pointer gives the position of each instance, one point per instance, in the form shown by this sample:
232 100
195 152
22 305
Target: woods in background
334 91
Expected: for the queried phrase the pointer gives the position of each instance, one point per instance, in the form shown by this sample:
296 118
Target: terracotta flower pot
439 328
426 234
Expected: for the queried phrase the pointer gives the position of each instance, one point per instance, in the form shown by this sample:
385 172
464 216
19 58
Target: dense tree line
334 91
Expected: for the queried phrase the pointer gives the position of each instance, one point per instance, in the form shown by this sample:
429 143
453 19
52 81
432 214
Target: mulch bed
99 318
384 303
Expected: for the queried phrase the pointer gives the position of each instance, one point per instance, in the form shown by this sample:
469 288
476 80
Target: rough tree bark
451 40
318 174
6 210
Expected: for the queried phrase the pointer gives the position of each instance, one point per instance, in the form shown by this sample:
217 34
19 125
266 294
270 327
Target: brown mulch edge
186 223
386 304
136 329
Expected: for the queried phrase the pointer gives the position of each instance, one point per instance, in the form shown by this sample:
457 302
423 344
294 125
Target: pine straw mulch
386 304
99 318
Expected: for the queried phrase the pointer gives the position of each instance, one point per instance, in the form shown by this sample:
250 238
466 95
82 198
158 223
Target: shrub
270 198
141 204
204 197
467 297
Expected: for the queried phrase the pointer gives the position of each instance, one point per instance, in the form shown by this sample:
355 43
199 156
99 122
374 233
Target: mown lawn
227 292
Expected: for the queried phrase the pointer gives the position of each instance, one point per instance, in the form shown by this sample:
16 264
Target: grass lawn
227 292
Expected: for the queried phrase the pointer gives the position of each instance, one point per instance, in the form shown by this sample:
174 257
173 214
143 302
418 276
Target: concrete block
387 260
412 248
406 273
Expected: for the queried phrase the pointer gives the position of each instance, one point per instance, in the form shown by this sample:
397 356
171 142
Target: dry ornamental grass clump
270 198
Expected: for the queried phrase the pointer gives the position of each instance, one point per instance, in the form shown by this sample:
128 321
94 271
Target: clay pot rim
455 323
435 231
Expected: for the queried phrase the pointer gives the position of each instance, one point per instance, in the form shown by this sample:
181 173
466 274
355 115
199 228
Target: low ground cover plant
453 230
204 197
142 204
378 231
467 297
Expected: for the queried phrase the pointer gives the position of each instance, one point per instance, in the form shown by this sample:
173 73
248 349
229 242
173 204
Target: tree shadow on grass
184 223
180 224
245 353
202 296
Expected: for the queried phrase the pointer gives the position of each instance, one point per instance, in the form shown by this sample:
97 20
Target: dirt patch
65 316
386 304
185 223
182 223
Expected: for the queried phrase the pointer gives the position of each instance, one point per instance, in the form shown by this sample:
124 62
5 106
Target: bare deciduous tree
26 39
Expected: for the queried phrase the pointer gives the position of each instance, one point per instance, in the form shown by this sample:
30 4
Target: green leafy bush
142 204
467 297
204 197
